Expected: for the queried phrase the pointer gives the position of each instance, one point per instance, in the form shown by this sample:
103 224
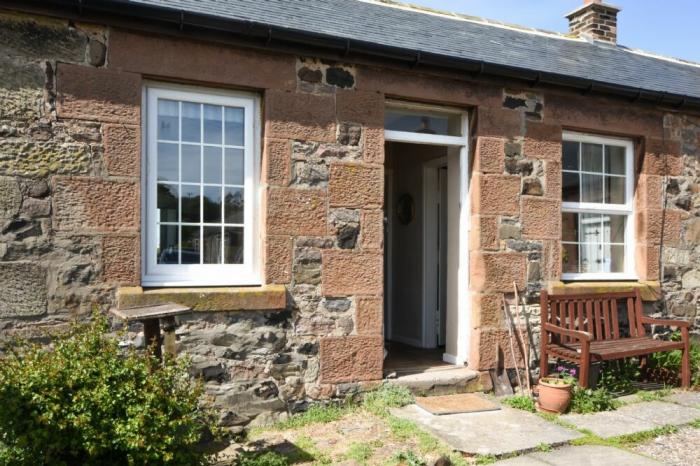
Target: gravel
679 449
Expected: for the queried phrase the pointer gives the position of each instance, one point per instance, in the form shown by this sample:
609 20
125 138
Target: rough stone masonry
70 201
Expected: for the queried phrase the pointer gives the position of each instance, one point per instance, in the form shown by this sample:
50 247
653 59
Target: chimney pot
587 20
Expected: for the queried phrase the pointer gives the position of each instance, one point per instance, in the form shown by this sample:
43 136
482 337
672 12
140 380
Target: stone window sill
266 298
650 290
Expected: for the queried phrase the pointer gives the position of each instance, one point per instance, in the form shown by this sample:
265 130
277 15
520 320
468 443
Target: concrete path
586 455
490 433
634 418
689 399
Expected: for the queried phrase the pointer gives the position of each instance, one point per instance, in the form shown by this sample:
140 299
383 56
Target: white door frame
460 143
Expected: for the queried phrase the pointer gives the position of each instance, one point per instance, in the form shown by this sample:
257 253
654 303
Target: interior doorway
416 193
426 236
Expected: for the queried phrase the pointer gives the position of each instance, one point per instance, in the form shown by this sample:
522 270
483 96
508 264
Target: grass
485 459
544 448
361 451
377 402
314 415
655 395
522 402
408 458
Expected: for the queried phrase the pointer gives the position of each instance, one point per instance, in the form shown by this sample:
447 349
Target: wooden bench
587 328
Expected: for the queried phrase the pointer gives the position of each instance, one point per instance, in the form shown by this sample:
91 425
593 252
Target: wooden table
152 317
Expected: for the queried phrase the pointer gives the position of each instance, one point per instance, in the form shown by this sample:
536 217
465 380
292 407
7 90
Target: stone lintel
650 290
267 298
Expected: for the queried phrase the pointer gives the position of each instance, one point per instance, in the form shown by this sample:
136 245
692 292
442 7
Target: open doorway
416 255
426 237
414 196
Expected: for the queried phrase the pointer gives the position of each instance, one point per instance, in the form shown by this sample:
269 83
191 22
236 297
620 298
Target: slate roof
458 39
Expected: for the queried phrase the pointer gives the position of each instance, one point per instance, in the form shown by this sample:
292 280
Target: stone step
445 382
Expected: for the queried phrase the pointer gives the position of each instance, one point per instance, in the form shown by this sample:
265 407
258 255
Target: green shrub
586 400
408 458
523 402
268 458
82 401
617 376
669 362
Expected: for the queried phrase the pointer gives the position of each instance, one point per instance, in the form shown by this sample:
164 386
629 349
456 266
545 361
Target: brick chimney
594 20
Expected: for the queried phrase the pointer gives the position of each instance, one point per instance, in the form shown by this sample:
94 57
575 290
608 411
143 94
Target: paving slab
585 455
689 399
489 433
634 418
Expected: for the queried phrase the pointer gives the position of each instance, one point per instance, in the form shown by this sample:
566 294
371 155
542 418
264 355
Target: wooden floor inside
404 359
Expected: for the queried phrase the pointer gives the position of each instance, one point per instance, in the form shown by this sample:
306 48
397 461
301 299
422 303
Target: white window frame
248 273
626 209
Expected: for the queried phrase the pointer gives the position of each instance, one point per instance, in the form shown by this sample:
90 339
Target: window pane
234 166
614 228
570 191
167 244
191 122
212 165
167 203
570 155
617 258
591 188
569 224
615 160
167 120
190 204
190 245
233 204
423 122
591 258
191 167
167 162
212 245
591 158
212 124
614 190
569 258
233 126
212 204
233 245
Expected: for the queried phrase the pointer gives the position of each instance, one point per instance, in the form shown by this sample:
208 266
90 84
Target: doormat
454 404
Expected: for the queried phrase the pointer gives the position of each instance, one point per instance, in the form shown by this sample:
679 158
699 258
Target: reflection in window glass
168 245
190 244
168 167
593 243
168 117
570 160
191 122
233 244
212 245
415 121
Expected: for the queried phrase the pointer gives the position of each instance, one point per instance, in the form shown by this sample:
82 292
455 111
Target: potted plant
555 391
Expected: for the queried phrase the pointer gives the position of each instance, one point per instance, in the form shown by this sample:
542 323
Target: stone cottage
323 179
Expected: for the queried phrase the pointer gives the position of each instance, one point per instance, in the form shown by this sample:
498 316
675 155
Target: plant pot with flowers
555 391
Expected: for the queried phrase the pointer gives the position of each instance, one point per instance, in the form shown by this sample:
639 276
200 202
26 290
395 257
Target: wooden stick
524 341
509 320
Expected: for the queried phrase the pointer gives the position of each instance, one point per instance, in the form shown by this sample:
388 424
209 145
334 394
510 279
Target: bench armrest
665 322
577 334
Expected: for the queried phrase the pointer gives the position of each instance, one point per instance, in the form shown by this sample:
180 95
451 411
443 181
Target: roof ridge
526 29
471 18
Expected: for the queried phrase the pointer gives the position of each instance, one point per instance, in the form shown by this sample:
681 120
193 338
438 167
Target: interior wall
406 164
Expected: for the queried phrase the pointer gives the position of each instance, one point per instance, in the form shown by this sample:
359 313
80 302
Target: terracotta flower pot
554 395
